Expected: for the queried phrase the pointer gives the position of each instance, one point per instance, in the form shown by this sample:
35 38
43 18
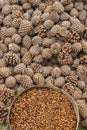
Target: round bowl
75 107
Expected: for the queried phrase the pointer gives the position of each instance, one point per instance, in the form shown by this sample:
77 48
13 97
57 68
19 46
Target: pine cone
73 37
64 58
12 58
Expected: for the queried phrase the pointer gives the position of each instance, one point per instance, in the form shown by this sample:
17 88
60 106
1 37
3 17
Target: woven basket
48 86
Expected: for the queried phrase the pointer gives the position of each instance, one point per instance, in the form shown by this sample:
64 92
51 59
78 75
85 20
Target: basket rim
70 98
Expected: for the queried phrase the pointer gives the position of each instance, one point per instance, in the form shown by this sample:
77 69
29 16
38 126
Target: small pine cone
17 14
26 41
16 38
5 72
76 63
55 48
27 58
46 53
49 80
61 33
6 9
20 68
26 16
40 31
7 41
3 47
65 70
26 81
26 6
65 24
35 20
38 78
56 72
77 94
2 63
77 27
25 27
36 40
74 20
35 2
72 78
10 82
23 51
74 12
54 16
83 60
36 12
73 37
66 47
47 42
82 15
46 71
16 22
6 94
64 16
59 82
35 50
3 33
82 108
48 24
79 5
48 8
69 88
37 68
84 46
12 59
77 47
29 72
81 84
14 47
65 2
41 6
64 58
14 1
81 72
38 59
45 16
57 6
17 77
69 6
7 21
11 31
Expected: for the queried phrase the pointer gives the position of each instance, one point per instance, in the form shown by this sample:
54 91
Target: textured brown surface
42 109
